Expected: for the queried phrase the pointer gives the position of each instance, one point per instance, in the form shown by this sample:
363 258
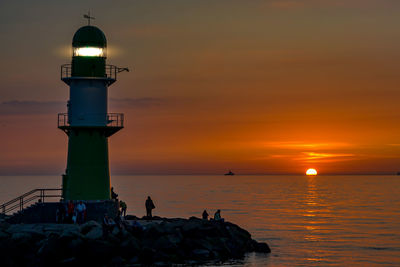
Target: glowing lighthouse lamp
89 52
88 123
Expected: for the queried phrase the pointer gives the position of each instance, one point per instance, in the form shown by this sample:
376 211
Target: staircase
45 212
36 213
26 212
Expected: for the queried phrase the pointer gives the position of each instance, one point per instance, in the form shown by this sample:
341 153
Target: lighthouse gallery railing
113 120
111 72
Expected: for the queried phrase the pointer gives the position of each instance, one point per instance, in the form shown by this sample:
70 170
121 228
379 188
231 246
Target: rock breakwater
159 242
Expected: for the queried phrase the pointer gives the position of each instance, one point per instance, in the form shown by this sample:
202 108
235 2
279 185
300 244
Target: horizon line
221 174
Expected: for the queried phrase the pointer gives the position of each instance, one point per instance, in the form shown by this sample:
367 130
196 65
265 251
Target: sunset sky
259 87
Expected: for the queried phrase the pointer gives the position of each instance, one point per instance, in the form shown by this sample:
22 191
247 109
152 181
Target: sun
311 171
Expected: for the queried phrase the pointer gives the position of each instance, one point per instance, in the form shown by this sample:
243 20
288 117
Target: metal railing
66 71
113 120
62 120
19 202
110 72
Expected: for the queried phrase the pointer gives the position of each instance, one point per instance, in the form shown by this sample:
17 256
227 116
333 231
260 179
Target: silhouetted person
71 208
80 212
217 216
205 215
123 207
60 213
113 194
149 207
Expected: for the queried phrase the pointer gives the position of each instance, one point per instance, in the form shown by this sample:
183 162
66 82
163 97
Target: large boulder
116 261
4 235
70 234
168 243
220 248
153 231
191 228
86 227
51 250
240 240
95 233
260 247
99 251
116 231
171 227
196 243
147 255
130 248
131 217
21 237
55 228
200 254
34 230
75 246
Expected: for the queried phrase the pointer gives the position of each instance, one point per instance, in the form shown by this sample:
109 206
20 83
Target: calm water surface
307 221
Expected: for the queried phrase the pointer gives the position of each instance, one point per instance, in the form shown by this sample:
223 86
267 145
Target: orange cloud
312 157
295 4
308 145
287 4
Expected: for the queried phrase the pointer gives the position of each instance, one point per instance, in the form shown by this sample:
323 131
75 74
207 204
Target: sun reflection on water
311 210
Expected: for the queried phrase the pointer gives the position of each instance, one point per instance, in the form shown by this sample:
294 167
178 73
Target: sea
306 220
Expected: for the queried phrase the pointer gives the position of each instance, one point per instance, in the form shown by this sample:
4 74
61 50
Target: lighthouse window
89 52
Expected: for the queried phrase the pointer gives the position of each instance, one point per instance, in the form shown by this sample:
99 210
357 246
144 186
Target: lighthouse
87 123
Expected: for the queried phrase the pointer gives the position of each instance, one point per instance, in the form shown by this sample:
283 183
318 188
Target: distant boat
229 173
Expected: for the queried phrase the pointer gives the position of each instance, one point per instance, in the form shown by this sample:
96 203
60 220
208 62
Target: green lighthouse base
87 176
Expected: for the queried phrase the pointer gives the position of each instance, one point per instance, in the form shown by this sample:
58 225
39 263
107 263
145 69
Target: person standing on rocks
71 209
114 195
149 207
60 212
217 216
123 208
80 210
205 215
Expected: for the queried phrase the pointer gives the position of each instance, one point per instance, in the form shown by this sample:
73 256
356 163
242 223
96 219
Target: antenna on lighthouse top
88 17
